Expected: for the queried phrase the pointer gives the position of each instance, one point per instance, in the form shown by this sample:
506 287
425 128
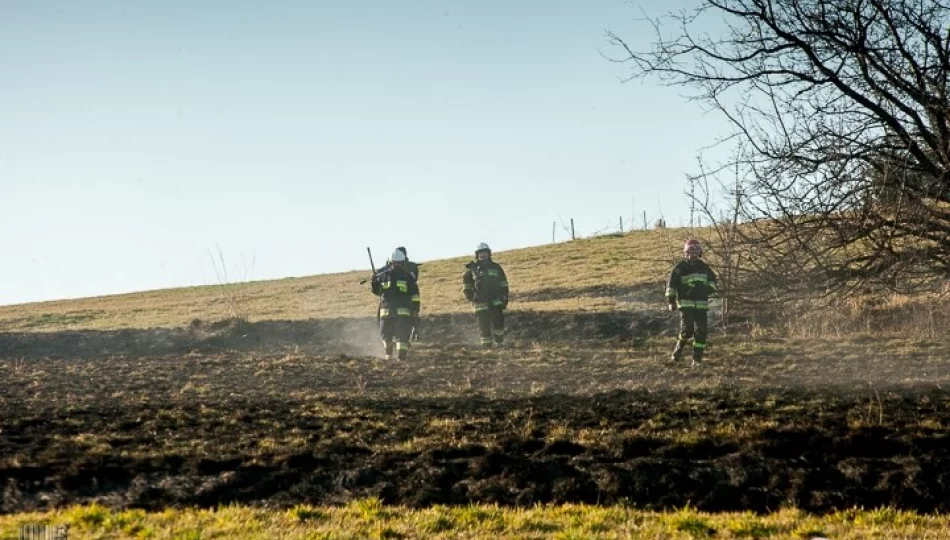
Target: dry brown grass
921 316
593 274
600 274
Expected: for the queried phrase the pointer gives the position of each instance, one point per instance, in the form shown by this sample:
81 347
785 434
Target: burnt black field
573 410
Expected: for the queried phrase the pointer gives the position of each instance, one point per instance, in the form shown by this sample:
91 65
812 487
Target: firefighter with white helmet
690 283
486 286
412 268
399 304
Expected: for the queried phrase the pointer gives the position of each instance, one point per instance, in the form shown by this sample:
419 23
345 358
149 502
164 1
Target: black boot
697 356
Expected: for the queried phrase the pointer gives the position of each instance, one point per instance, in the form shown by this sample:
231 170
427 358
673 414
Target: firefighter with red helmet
486 286
691 283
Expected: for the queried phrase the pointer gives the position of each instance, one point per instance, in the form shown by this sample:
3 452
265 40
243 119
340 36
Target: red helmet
693 246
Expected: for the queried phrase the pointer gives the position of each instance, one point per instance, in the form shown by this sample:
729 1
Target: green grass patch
369 518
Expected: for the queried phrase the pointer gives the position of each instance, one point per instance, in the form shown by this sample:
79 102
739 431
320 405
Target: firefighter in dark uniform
688 289
399 304
486 286
412 268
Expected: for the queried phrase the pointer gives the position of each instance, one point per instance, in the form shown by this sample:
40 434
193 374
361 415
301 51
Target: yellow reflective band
416 298
402 285
400 346
385 284
481 307
384 312
695 278
698 345
403 311
670 292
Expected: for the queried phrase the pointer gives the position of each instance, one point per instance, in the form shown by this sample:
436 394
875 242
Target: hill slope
617 272
124 401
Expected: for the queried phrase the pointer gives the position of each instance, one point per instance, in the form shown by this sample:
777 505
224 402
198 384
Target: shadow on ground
344 335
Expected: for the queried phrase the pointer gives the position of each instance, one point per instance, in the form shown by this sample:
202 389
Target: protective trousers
491 323
395 329
694 324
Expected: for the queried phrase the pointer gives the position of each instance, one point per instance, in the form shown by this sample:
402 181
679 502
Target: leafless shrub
841 136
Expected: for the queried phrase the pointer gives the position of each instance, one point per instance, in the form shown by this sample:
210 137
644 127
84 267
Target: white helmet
483 247
398 256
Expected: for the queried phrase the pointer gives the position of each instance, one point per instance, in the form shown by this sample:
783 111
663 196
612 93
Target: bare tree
841 130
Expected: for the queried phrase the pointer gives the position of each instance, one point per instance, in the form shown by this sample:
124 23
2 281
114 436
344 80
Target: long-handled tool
371 265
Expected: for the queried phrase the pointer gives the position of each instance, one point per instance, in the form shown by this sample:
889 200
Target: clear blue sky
137 136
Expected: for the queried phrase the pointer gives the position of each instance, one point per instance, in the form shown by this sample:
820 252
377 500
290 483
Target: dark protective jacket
690 284
484 282
398 292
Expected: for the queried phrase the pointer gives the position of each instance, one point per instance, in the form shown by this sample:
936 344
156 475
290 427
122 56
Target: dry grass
601 274
593 274
922 316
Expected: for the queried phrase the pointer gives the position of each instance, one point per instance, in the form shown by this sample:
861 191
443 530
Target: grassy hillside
159 428
596 274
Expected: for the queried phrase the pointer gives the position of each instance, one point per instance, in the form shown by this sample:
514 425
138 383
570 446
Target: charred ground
574 410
